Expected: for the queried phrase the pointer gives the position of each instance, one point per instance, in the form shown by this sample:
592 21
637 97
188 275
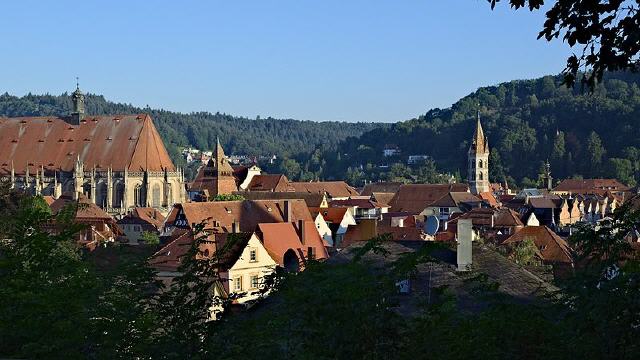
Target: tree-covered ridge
527 122
239 135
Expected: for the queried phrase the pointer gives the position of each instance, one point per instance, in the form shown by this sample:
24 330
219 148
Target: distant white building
415 159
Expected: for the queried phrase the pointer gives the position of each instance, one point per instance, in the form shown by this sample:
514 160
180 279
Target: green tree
596 153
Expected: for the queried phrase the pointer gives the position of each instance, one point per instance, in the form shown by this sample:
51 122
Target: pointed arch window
156 196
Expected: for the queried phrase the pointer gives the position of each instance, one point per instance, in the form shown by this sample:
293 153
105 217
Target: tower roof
479 143
220 160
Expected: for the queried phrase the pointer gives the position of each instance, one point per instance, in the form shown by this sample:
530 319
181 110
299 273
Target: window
310 253
254 281
444 211
237 284
155 196
253 255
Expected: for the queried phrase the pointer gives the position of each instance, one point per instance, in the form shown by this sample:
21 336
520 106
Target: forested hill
239 135
527 122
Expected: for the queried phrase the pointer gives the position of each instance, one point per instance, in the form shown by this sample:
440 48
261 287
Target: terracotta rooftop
312 200
589 185
220 215
266 182
332 188
454 199
380 187
86 209
414 198
278 238
382 198
552 247
121 141
146 214
360 203
332 214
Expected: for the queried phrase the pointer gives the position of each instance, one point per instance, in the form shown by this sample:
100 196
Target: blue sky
353 60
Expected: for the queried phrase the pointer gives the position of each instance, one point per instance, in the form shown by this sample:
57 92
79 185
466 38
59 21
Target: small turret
78 105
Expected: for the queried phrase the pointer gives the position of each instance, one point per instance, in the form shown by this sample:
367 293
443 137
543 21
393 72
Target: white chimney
465 239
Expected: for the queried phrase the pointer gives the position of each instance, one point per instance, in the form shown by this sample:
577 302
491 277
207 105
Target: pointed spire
479 142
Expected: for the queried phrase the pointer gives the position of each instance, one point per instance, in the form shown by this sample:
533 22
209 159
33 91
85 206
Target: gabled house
339 221
242 267
100 227
362 207
139 221
270 182
235 216
451 203
415 198
292 245
552 249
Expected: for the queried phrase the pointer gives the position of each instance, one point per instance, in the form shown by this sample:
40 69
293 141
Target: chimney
287 212
464 249
302 230
235 227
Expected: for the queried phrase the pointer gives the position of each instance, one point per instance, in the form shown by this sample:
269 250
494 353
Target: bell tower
78 105
478 170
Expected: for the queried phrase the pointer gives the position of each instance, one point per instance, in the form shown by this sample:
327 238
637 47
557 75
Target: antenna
432 225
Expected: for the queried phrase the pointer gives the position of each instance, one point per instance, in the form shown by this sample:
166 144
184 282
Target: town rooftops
86 210
590 185
121 142
359 203
334 189
221 215
230 246
414 198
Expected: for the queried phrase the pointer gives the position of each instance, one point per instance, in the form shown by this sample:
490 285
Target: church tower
78 106
478 171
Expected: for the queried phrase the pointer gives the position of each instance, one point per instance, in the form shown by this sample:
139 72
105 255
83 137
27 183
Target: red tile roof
360 203
278 238
121 141
414 198
332 215
590 185
380 187
220 215
266 182
332 188
552 247
86 209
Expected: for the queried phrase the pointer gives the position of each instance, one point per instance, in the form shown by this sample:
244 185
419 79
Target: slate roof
121 141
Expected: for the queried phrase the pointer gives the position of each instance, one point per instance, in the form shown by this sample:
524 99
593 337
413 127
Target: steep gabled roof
552 247
119 141
454 199
414 198
585 186
270 182
278 238
86 210
312 200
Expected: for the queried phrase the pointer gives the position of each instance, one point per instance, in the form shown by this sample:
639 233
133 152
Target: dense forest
239 135
527 122
581 133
